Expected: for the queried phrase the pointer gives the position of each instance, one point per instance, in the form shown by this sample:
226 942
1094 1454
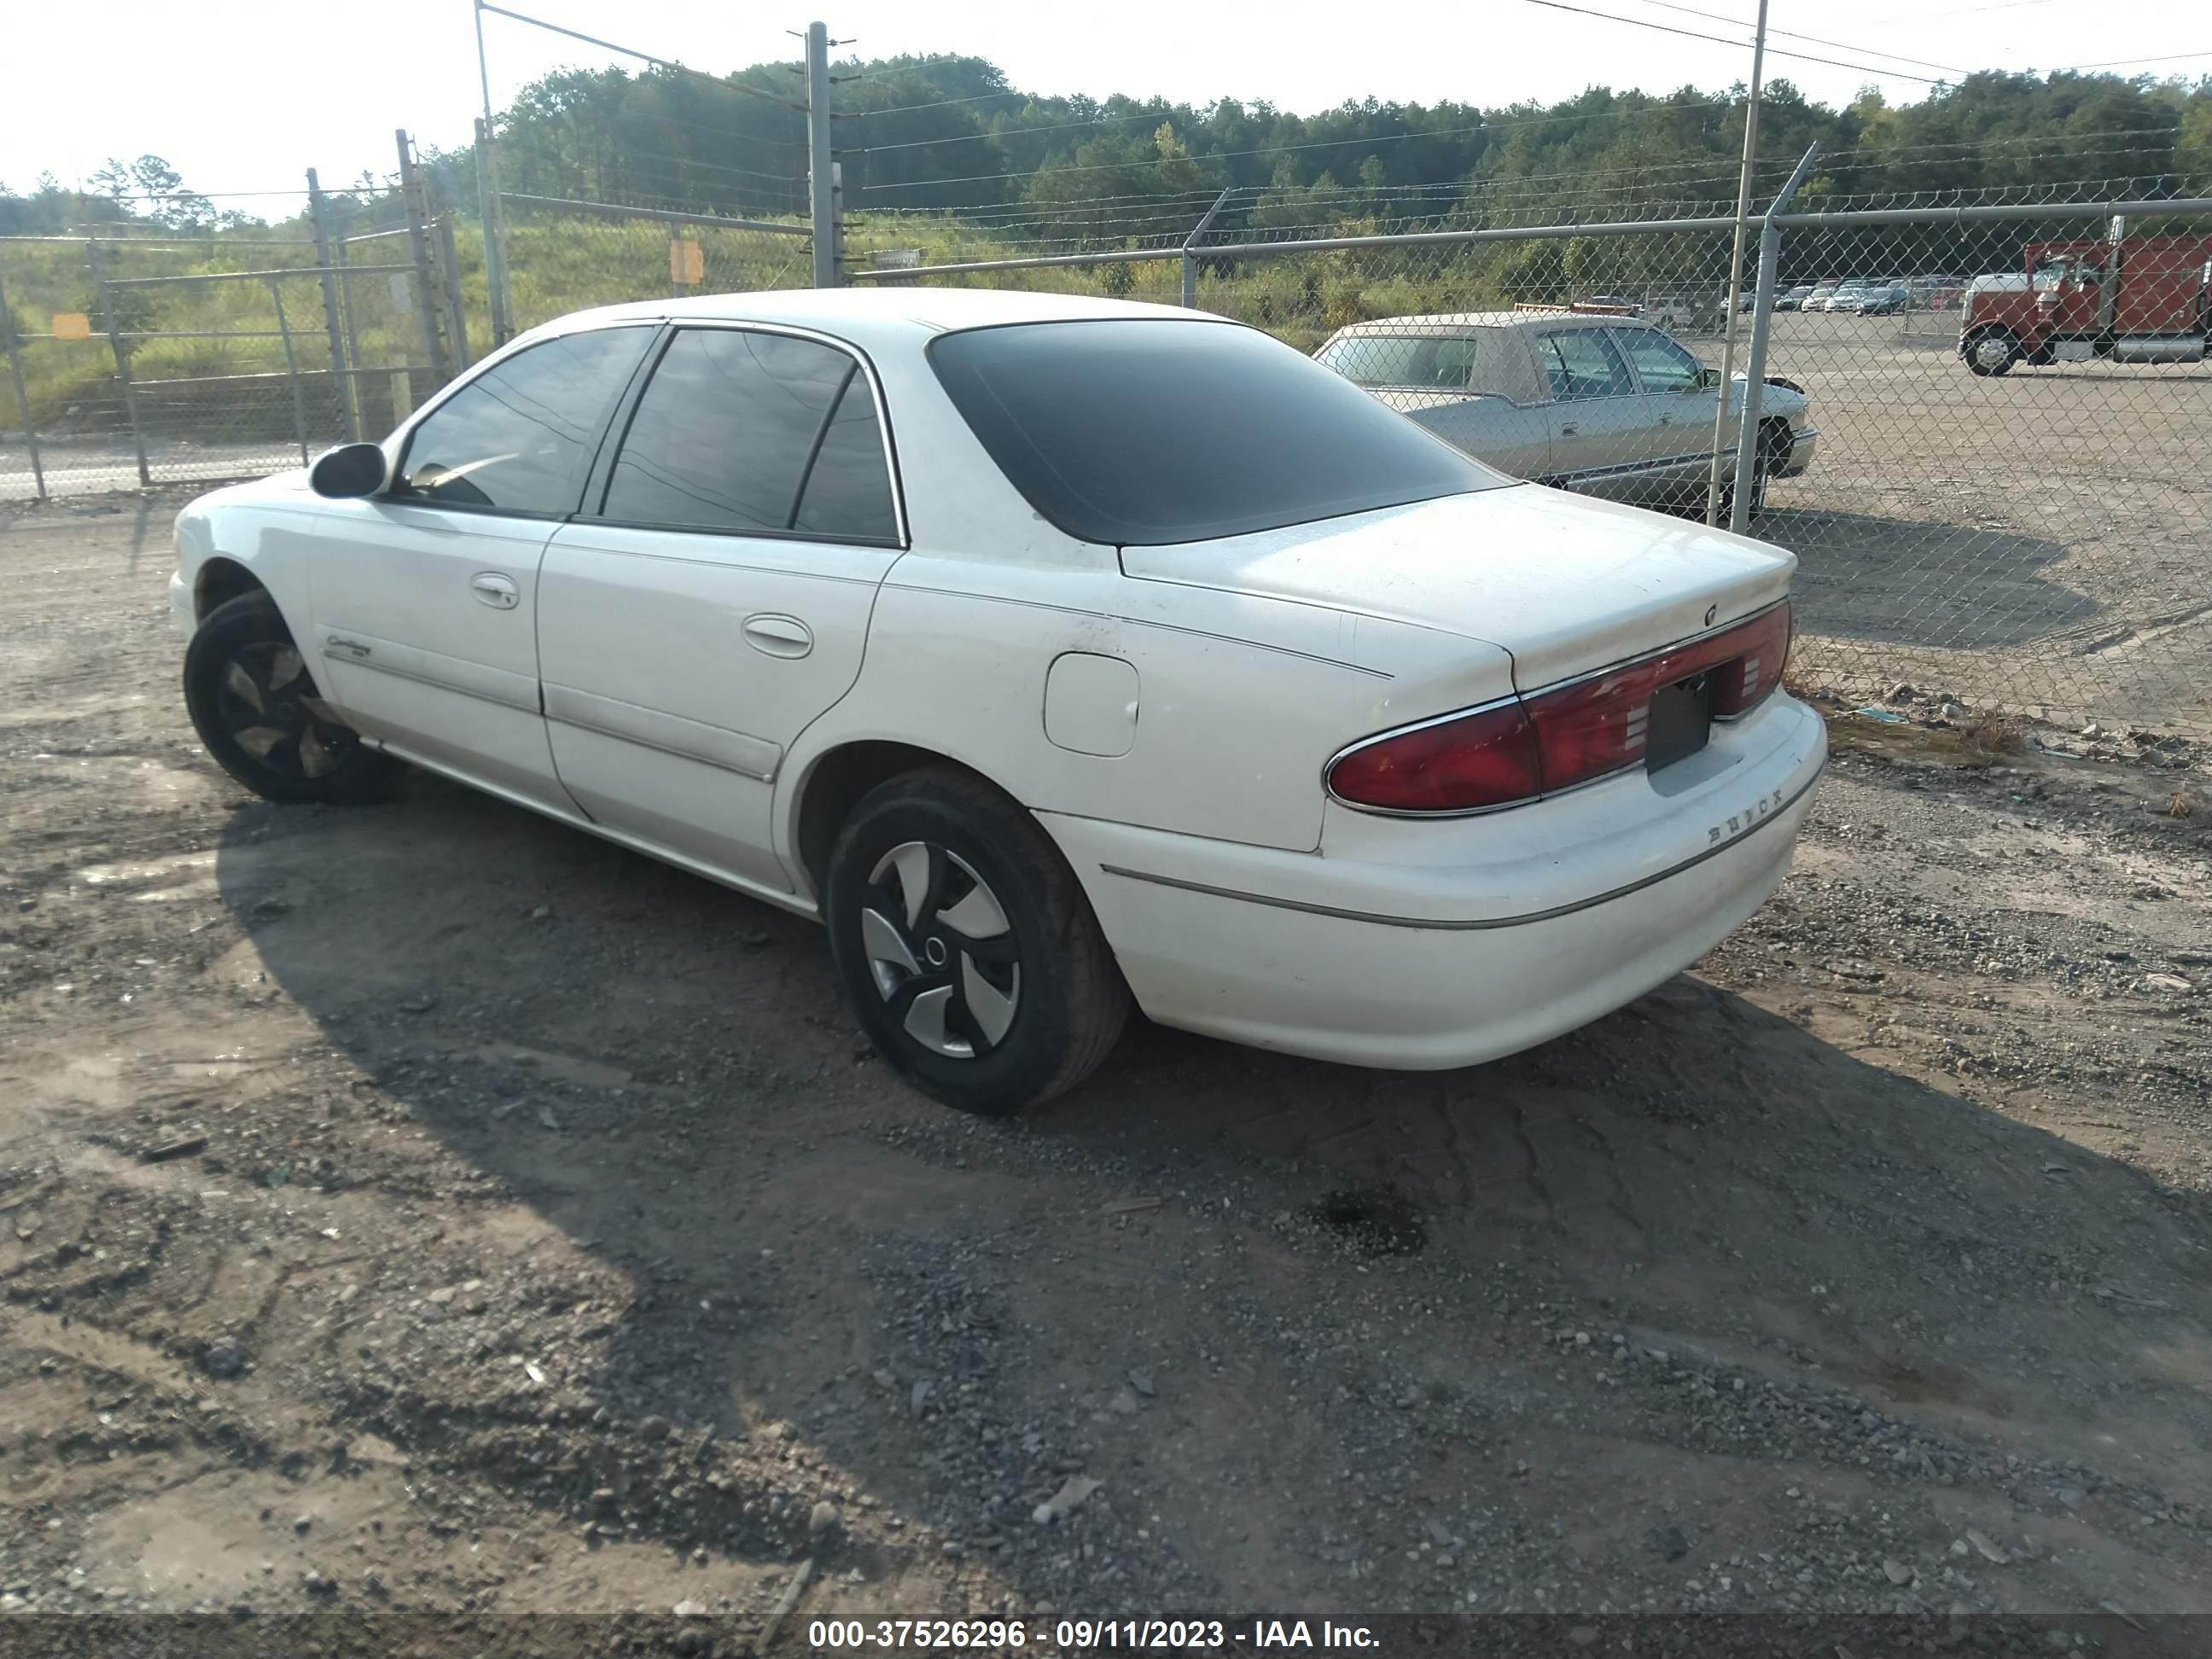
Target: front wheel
966 945
1993 353
256 707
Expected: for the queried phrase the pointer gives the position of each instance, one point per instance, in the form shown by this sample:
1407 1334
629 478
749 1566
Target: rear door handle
779 636
1568 431
495 590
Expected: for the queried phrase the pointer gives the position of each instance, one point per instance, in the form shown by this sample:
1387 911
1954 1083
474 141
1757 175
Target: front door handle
1568 431
495 590
779 636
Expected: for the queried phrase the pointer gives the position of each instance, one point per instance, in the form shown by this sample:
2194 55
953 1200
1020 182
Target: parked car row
1872 299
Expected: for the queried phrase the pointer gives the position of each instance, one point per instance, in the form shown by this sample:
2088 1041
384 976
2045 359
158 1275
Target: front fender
266 529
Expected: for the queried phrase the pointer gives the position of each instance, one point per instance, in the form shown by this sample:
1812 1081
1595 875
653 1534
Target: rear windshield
1143 431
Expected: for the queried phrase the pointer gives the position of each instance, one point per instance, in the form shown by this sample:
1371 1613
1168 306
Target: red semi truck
2139 300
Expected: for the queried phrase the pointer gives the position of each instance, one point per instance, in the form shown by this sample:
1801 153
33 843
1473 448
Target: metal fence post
325 269
122 356
418 245
349 303
495 227
1748 457
1735 268
821 186
1189 259
494 233
449 288
291 370
22 396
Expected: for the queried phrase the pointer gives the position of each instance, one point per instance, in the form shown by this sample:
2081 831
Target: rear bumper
1388 956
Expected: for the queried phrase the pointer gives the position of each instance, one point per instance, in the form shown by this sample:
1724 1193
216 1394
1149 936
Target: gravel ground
429 1208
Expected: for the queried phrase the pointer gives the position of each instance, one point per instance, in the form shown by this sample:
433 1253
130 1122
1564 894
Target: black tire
1775 447
1994 365
256 707
1068 1001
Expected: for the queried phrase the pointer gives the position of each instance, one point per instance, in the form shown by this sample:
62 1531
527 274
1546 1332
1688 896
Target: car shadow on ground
660 1072
1904 581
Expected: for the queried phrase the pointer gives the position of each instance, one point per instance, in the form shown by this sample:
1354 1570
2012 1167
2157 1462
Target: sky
242 95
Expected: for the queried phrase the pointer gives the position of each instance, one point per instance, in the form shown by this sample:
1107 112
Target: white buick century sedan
1053 653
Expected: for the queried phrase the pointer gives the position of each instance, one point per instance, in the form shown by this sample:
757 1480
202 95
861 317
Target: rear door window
748 432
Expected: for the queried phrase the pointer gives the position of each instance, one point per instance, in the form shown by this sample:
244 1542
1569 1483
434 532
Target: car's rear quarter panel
1241 701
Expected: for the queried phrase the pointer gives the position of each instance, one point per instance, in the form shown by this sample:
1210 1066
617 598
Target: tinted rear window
1137 431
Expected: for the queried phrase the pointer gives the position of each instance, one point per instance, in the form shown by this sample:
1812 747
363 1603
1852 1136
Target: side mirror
1708 377
348 470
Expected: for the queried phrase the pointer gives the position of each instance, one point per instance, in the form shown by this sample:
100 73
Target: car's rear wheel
257 709
966 946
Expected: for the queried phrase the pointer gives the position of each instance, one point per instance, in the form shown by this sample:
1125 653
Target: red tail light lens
1759 652
1556 739
1477 760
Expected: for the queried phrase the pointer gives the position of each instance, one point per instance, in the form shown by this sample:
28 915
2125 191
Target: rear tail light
1516 751
1454 765
1758 650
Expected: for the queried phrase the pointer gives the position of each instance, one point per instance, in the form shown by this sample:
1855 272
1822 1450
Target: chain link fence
563 256
139 361
1981 426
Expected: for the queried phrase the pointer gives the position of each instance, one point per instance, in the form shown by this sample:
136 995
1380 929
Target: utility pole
1735 270
820 180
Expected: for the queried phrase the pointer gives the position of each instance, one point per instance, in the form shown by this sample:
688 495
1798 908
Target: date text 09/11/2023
1089 1635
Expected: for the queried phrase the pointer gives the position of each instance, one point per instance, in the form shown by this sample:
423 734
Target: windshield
1144 432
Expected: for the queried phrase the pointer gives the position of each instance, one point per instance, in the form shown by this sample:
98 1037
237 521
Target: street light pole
1736 270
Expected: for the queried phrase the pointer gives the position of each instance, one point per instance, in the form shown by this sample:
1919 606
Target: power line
625 155
1792 34
643 57
2119 63
941 103
1961 11
1710 102
714 132
971 137
1999 140
186 195
1719 40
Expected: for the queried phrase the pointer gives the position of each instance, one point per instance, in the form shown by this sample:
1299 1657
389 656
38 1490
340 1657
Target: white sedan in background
1053 653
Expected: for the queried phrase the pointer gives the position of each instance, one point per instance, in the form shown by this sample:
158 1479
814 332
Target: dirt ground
428 1206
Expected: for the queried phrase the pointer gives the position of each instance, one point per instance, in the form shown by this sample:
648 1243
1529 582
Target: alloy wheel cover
940 950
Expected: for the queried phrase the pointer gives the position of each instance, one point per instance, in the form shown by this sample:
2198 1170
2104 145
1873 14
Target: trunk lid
1563 583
